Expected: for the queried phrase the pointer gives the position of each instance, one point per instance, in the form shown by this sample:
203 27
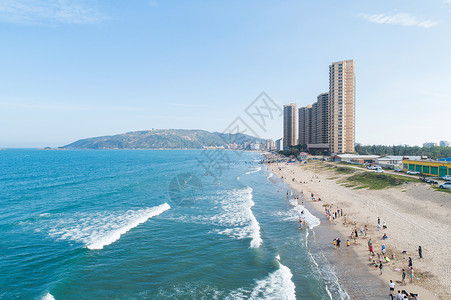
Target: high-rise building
270 145
305 125
444 144
429 145
279 144
313 123
342 106
290 125
329 124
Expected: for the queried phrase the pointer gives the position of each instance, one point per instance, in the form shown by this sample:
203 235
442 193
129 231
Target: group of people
401 294
332 214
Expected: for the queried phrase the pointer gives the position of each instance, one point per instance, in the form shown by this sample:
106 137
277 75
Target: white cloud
48 11
447 1
403 19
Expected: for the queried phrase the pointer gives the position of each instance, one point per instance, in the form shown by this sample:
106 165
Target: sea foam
296 212
236 214
101 229
48 296
277 285
254 171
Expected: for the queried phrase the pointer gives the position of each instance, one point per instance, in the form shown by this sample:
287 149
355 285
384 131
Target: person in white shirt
392 287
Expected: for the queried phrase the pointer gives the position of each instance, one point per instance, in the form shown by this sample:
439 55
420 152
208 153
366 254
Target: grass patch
376 181
441 190
345 170
332 178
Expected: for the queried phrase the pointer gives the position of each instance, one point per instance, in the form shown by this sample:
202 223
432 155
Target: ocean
155 224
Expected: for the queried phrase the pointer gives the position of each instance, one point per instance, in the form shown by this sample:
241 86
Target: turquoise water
153 225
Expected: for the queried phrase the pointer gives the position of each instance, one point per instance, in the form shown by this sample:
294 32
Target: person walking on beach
380 268
411 275
403 278
392 288
420 252
410 262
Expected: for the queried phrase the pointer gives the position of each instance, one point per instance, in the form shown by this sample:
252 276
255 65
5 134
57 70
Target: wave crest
99 230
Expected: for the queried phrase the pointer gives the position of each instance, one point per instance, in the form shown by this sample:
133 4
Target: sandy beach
415 215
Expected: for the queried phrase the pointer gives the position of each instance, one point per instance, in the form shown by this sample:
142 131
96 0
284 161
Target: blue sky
77 69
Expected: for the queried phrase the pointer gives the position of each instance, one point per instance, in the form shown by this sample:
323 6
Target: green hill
164 139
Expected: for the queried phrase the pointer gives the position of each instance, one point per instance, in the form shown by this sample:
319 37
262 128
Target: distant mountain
166 139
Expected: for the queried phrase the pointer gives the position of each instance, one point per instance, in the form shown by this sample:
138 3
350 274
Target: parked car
428 180
446 177
378 170
446 185
398 170
413 172
372 167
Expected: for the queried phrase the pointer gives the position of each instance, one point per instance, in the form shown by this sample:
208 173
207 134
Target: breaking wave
102 229
236 214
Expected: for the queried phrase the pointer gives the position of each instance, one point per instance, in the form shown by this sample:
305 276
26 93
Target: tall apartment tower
313 122
322 119
290 125
305 125
342 106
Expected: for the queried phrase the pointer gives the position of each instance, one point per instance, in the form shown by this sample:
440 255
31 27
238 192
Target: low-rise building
394 161
355 158
304 156
427 167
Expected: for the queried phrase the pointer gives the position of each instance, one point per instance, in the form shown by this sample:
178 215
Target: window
406 166
426 169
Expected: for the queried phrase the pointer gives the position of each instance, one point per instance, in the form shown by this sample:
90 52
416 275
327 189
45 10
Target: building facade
290 125
341 123
279 144
329 123
429 145
427 167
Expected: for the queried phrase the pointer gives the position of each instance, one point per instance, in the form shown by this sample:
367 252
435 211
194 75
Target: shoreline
331 192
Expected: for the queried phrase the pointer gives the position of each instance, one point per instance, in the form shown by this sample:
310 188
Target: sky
79 69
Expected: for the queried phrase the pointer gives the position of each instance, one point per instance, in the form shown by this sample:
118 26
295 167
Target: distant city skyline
73 70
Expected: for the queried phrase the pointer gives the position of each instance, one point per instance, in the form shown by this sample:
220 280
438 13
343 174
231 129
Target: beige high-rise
342 106
290 125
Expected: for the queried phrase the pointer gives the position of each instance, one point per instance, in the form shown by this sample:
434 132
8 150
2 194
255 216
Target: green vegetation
344 170
164 138
382 150
441 190
434 152
376 181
